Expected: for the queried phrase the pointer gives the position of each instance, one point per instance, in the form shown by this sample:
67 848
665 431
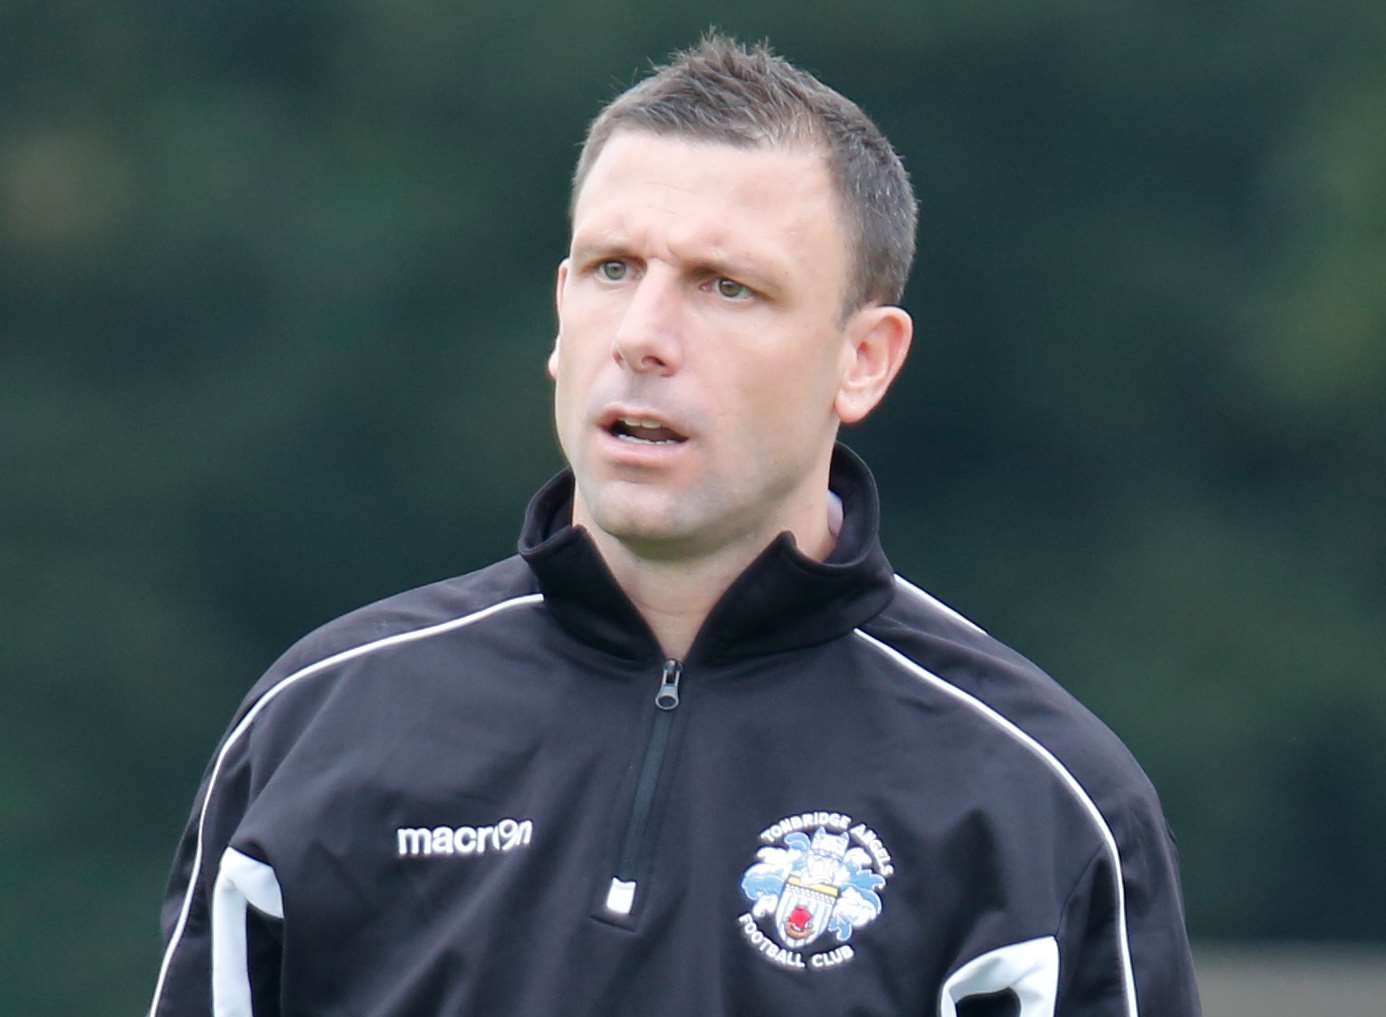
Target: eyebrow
583 248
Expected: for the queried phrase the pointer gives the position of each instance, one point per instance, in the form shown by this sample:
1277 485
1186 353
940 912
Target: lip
609 416
630 453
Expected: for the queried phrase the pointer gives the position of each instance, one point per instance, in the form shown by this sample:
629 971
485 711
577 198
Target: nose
647 337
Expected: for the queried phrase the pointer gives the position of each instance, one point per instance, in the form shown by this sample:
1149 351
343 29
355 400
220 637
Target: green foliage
275 304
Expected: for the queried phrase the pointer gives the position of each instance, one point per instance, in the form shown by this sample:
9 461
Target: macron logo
505 836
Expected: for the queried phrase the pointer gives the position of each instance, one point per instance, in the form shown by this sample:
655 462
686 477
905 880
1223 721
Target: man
695 750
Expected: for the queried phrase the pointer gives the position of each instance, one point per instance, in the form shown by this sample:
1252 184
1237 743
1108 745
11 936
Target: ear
558 307
876 340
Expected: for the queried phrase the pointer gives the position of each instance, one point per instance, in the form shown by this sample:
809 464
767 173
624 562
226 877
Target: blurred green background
275 296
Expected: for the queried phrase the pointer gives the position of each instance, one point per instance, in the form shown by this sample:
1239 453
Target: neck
676 593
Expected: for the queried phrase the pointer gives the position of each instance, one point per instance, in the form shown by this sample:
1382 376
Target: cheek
575 378
792 390
789 416
566 362
560 369
579 352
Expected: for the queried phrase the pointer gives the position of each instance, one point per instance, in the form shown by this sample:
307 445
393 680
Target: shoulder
927 642
410 617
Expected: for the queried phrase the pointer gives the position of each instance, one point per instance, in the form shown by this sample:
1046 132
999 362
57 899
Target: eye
730 289
613 270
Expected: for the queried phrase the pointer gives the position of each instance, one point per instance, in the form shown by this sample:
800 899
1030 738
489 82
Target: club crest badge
817 879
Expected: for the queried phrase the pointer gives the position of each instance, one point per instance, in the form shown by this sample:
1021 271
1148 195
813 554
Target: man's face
700 349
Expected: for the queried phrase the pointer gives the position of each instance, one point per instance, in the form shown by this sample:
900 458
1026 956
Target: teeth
647 441
631 422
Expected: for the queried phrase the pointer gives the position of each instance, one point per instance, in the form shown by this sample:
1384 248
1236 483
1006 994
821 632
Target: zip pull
668 695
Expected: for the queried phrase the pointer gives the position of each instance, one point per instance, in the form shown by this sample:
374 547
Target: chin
640 528
643 518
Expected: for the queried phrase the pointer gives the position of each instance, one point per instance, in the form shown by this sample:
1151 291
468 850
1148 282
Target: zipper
635 846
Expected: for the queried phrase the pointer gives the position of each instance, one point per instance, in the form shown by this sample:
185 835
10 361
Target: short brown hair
722 91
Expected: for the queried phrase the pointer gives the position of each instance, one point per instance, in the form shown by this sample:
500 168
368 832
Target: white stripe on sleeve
1029 969
241 880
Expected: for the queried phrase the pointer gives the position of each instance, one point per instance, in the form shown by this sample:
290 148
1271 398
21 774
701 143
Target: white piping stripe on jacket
260 704
933 601
1067 778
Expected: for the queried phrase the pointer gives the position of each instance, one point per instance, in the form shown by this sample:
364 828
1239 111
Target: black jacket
848 800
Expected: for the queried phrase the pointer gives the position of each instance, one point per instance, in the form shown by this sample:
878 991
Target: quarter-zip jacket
494 795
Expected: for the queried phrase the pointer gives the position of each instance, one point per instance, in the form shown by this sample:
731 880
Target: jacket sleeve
1123 947
222 915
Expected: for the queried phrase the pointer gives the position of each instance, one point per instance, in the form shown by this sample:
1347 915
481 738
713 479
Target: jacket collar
782 600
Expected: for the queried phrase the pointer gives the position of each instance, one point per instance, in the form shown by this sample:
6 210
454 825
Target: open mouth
644 432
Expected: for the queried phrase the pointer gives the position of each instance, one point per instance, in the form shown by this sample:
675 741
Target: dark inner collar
782 600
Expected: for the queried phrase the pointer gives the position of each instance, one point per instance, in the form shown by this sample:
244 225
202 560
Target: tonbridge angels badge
817 879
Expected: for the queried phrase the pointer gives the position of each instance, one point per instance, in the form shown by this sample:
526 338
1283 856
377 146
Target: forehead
774 202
